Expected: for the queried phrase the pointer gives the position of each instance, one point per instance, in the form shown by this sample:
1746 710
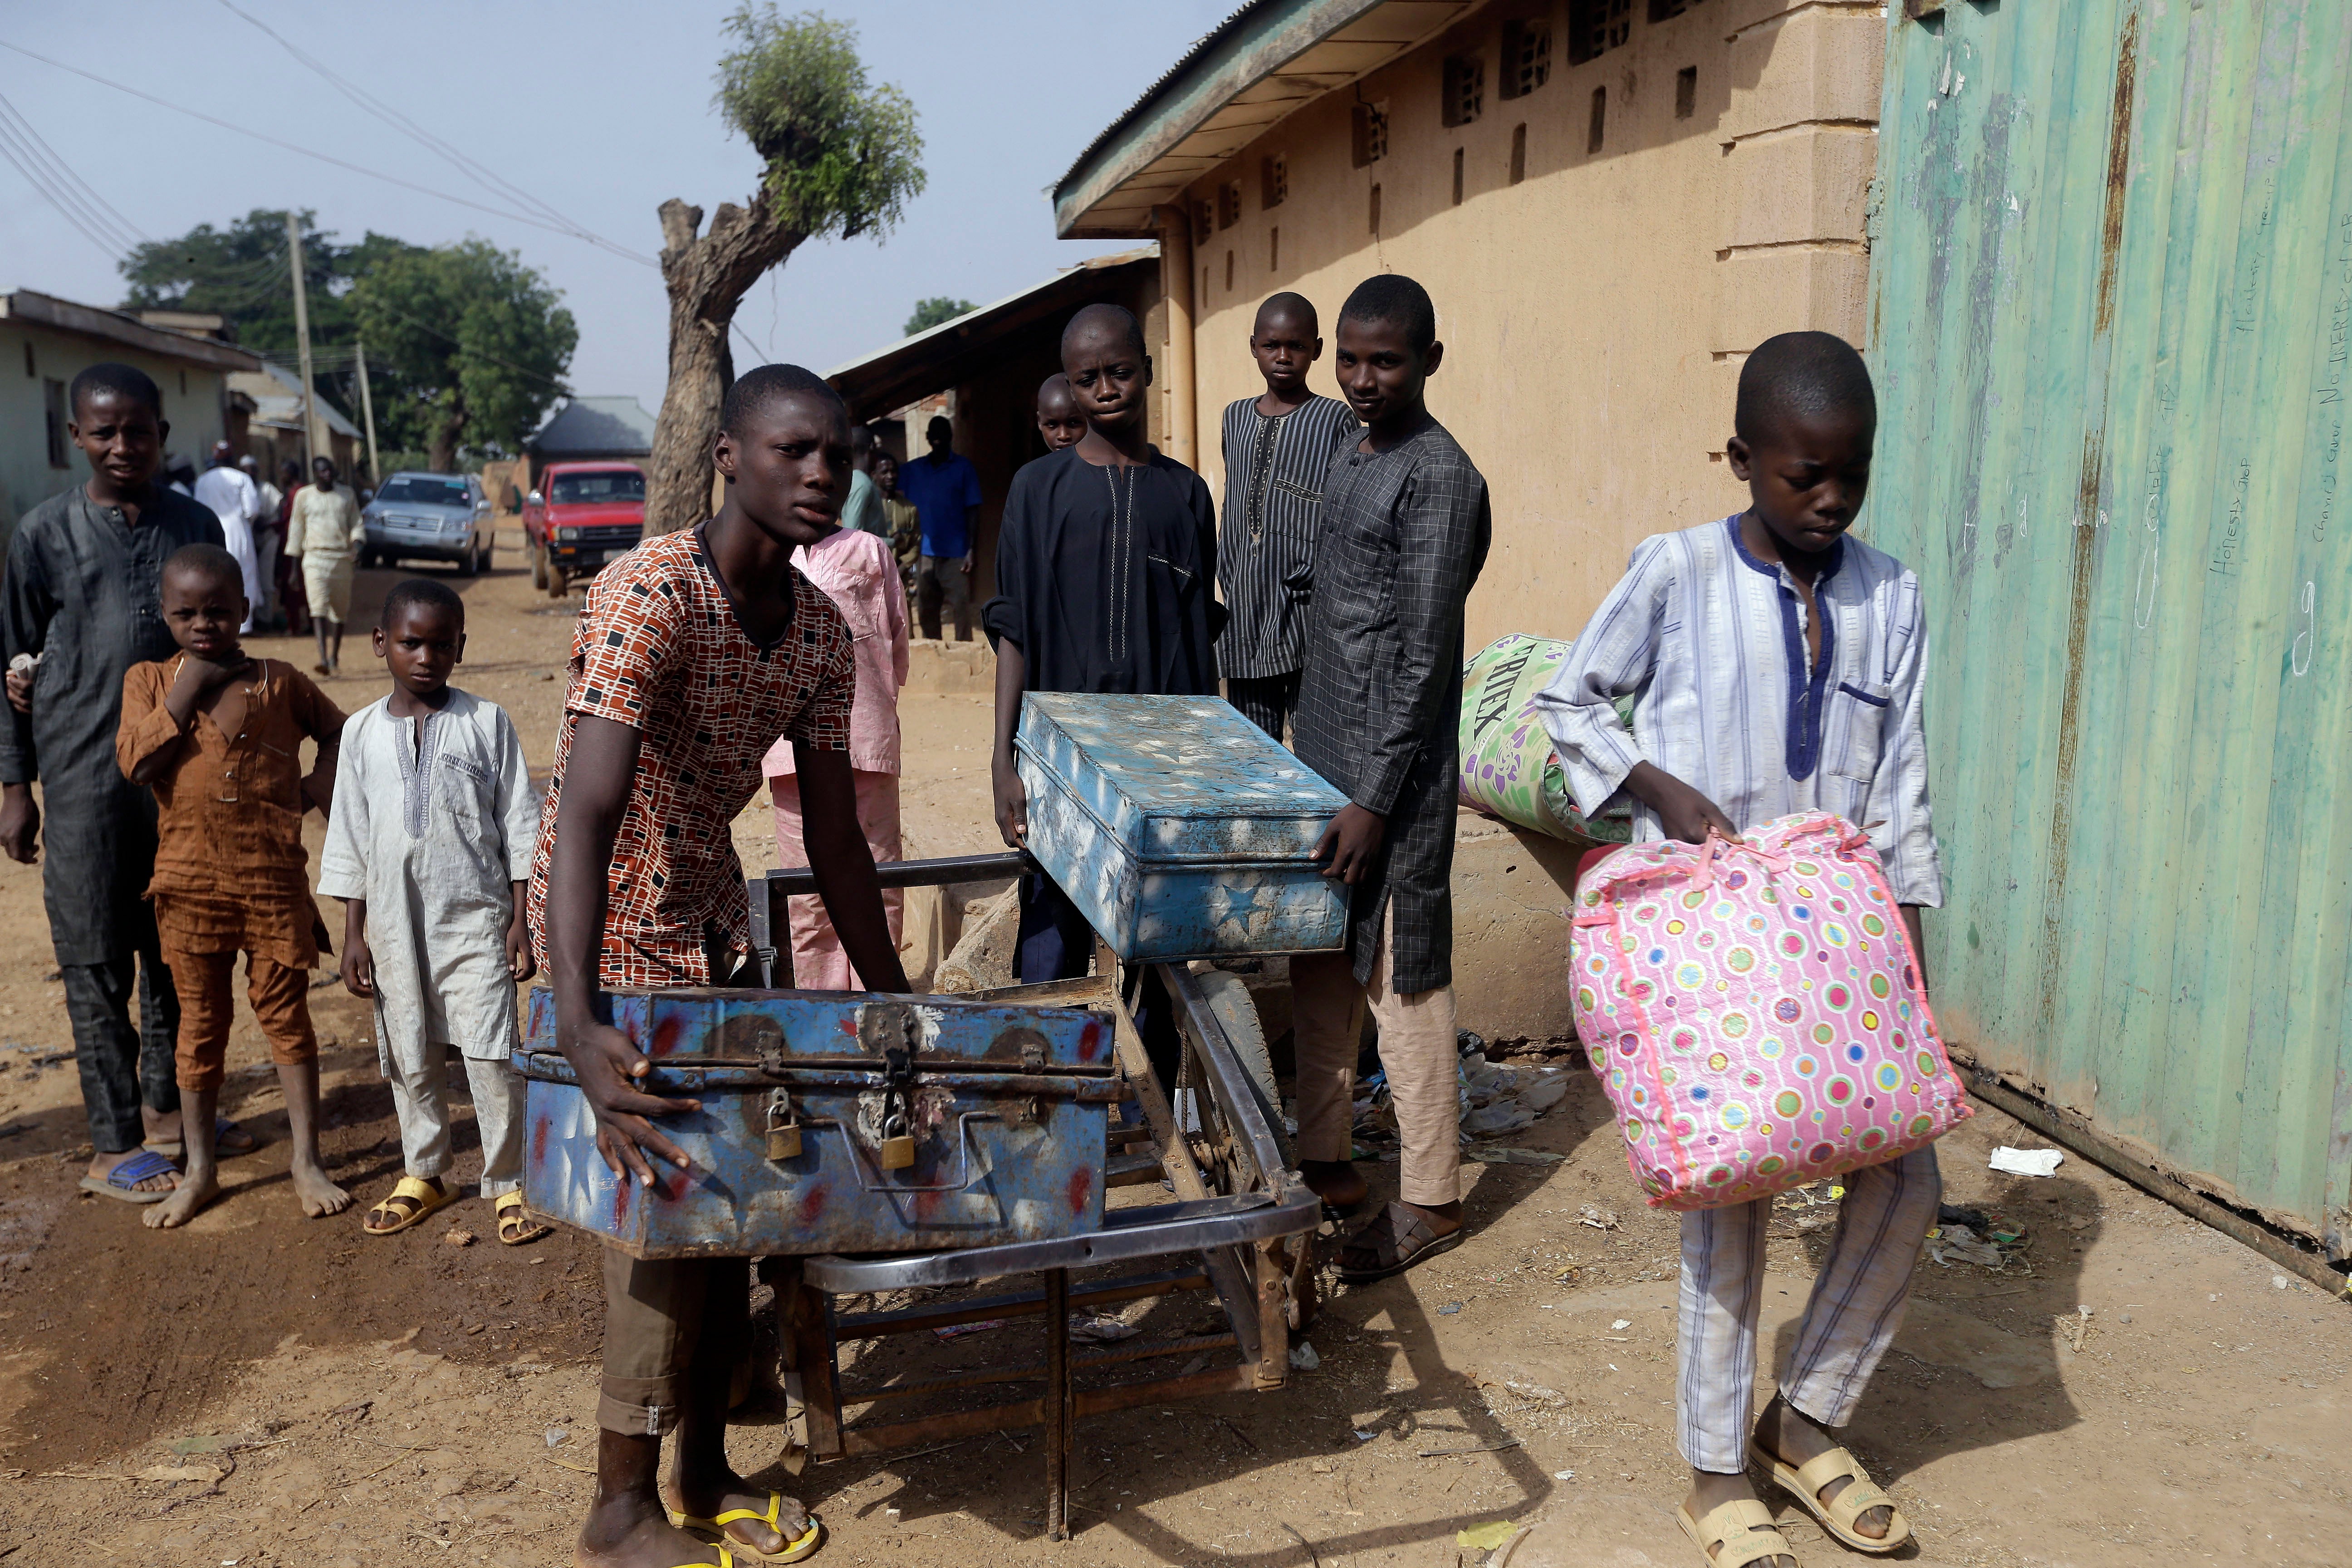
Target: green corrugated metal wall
2111 299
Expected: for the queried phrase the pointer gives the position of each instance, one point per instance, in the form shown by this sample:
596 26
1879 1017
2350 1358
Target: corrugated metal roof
1259 66
939 358
97 321
277 394
605 425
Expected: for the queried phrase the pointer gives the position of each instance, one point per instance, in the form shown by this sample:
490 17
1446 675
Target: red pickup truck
581 516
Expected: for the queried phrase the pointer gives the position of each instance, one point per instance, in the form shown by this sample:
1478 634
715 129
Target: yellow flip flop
795 1548
411 1191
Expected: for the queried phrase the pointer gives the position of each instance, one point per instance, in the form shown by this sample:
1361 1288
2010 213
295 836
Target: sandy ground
264 1389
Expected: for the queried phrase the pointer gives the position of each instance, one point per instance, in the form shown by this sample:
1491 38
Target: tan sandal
410 1200
1738 1532
1806 1482
517 1225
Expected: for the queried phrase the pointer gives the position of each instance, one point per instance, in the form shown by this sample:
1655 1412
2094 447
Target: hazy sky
598 109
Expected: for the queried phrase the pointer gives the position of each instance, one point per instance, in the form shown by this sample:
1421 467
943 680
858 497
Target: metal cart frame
1241 1224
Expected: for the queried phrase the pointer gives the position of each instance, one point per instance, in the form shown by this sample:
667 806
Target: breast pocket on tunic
1858 719
1293 520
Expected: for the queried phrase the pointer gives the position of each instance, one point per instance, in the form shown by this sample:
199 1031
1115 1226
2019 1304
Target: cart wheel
1229 1000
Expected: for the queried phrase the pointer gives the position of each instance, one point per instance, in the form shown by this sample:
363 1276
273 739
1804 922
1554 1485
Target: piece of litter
1303 1357
1598 1218
1948 1242
1620 1325
457 1235
556 1436
2280 1282
892 1514
1101 1329
1448 1309
1486 1536
1479 1449
1563 1475
1363 1437
957 1330
2027 1162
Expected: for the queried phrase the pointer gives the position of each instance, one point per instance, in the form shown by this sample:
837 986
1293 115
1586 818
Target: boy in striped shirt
1777 666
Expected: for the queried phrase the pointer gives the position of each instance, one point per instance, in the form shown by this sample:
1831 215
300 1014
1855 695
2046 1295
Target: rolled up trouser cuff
638 1407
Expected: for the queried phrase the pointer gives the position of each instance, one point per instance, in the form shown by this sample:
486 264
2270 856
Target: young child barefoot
215 734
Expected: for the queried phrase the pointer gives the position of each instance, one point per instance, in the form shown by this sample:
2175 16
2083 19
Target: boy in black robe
1106 578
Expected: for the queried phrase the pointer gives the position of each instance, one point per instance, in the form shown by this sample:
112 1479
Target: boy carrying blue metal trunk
694 653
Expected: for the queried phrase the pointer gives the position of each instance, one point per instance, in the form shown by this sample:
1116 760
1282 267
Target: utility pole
367 413
302 340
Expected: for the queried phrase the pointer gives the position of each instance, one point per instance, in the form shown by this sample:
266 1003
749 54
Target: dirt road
263 1389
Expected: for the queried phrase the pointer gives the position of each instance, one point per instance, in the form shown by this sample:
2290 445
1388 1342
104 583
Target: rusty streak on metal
2083 564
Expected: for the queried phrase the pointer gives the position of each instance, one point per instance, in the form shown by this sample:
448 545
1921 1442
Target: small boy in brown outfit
217 735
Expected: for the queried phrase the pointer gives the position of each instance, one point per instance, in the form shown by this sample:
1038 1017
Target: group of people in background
295 544
1775 664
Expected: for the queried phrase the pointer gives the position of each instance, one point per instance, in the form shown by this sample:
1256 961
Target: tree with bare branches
842 157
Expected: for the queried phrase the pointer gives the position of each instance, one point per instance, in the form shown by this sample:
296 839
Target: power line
481 174
35 150
508 213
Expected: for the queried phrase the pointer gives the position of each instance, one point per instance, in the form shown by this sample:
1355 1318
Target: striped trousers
1856 1306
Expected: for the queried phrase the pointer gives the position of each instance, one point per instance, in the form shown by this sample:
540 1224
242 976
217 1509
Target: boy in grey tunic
429 847
1278 448
1406 529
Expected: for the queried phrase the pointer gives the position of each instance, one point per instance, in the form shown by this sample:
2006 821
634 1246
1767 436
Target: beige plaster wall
32 354
1595 313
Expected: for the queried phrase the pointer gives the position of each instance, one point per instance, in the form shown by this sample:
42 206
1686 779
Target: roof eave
111 326
1227 74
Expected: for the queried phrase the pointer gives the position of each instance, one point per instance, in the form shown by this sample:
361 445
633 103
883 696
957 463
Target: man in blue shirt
945 489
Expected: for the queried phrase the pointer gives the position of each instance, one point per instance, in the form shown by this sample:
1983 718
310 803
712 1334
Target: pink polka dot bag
1753 1011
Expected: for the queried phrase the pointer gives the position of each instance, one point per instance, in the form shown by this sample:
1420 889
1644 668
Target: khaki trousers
670 1323
1417 1052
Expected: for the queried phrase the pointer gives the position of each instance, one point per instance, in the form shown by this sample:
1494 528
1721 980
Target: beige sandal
1807 1481
517 1225
1742 1529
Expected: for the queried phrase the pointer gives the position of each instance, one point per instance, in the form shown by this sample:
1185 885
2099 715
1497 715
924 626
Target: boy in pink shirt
860 576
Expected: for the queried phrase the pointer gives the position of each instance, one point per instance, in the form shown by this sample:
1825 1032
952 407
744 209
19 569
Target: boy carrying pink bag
1778 769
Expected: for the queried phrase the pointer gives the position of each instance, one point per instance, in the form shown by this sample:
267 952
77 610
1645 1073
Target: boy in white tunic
430 850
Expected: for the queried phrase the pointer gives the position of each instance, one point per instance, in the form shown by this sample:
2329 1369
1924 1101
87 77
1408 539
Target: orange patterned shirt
658 648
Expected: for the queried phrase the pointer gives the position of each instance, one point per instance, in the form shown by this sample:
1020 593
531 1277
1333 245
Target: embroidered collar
1807 687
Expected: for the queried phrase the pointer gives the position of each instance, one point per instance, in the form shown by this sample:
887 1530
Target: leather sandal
1394 1241
1806 1482
1735 1534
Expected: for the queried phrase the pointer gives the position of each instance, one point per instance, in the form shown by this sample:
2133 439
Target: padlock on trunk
783 1128
898 1152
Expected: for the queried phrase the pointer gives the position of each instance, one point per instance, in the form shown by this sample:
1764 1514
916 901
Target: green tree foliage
842 153
841 158
468 344
240 271
930 312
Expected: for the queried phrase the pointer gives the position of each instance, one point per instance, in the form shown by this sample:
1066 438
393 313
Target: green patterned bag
1507 766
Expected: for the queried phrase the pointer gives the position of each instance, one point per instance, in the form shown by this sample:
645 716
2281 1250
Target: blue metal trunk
1004 1107
1180 828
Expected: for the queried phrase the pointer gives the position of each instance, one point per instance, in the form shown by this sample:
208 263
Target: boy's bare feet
1711 1491
320 1197
196 1189
1783 1430
630 1531
103 1166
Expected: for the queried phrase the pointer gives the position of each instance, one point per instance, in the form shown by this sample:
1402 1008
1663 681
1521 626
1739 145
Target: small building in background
1612 202
270 404
981 371
46 341
582 430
